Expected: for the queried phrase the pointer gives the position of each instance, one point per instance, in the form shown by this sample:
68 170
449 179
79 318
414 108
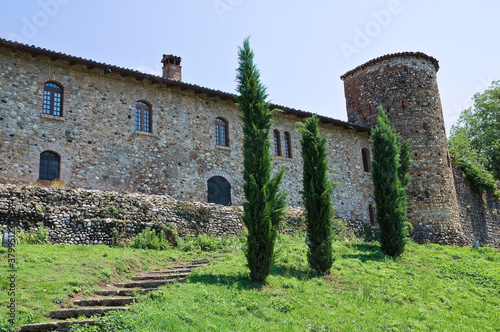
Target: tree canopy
475 139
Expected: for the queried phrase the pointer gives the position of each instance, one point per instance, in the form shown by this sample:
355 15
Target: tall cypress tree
265 202
316 195
390 178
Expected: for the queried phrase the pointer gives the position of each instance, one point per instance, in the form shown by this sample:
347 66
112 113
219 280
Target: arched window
366 160
371 212
277 143
219 191
52 99
288 145
50 165
142 116
221 132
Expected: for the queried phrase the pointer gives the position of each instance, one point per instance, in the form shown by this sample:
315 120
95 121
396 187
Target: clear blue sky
301 47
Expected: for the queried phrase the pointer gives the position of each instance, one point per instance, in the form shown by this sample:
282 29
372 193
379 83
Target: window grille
142 116
288 145
221 132
52 99
50 164
277 143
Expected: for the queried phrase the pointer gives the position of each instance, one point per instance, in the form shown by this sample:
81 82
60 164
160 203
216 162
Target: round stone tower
405 85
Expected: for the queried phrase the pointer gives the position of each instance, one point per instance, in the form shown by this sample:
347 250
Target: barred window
366 160
288 145
221 132
371 213
52 99
277 143
50 164
142 116
219 191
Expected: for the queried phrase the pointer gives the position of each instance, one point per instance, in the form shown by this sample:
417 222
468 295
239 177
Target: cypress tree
316 195
390 178
265 202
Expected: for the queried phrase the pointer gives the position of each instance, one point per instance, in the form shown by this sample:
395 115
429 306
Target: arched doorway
219 190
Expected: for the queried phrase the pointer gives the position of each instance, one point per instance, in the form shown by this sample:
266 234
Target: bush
209 243
38 236
148 239
479 177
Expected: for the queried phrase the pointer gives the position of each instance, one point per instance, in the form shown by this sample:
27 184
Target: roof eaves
54 56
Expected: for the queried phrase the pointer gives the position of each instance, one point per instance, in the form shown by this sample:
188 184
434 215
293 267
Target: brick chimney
172 67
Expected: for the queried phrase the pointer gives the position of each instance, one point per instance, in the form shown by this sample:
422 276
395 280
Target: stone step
160 277
124 292
190 266
203 261
109 302
145 284
170 271
86 312
54 326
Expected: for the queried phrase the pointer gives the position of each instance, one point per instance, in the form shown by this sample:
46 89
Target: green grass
430 288
48 276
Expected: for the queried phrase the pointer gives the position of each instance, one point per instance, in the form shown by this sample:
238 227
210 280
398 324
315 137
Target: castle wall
100 148
479 213
405 85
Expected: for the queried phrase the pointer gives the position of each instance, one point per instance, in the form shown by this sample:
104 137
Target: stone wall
479 213
81 216
100 148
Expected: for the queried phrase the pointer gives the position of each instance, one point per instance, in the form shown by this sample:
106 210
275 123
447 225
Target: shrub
38 236
148 239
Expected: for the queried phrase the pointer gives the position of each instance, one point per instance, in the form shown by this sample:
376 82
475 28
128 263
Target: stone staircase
117 296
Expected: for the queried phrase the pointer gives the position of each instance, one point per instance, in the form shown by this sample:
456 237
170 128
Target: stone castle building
98 126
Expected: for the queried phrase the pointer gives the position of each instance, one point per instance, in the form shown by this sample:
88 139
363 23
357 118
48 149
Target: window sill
283 158
144 133
223 147
52 117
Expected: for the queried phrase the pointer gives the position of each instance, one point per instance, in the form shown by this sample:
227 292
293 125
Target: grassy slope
430 287
49 275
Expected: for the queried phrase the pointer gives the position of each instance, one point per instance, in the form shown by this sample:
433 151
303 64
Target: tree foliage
265 202
475 140
316 195
479 128
390 177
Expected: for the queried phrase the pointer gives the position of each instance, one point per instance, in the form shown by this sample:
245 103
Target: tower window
52 99
371 212
366 160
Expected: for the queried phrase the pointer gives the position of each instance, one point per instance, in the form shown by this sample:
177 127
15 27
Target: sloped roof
124 72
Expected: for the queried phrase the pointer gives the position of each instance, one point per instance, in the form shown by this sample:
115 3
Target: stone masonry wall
479 213
100 148
81 216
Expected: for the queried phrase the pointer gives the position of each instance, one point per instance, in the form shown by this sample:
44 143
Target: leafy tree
316 194
265 202
478 129
472 162
390 177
